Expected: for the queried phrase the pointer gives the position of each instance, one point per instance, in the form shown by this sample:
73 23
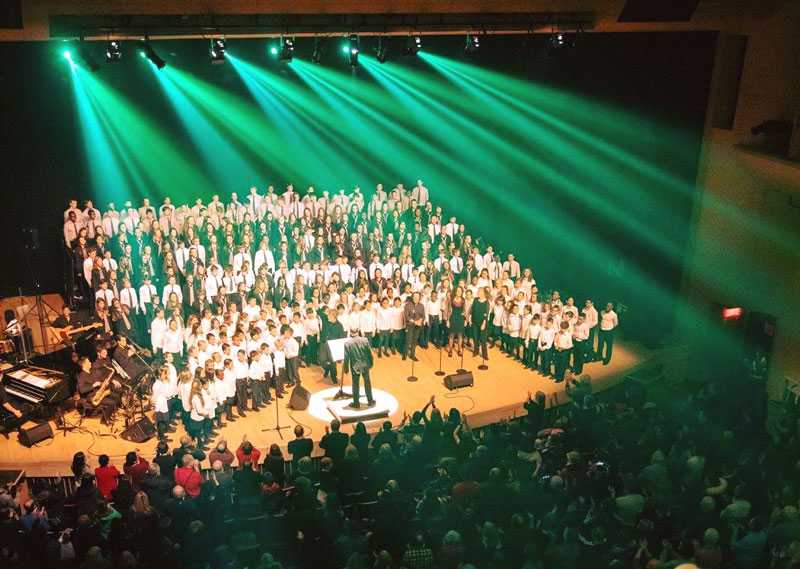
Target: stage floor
498 393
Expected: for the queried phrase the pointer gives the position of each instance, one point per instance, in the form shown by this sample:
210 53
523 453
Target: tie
75 229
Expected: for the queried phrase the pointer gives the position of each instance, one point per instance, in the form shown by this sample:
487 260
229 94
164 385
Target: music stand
336 350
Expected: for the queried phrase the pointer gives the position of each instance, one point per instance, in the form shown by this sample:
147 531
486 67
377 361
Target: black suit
358 359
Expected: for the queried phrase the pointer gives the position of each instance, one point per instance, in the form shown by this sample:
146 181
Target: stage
498 393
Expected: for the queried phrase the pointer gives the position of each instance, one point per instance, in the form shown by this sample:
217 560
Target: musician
103 360
414 316
358 359
89 381
14 329
124 354
66 318
103 316
5 404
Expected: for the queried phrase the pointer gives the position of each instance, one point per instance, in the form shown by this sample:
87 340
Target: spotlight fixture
413 45
382 50
217 51
113 51
87 57
352 49
473 43
287 49
149 53
560 40
316 55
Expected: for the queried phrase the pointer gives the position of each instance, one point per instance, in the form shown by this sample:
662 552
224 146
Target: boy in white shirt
229 378
563 346
279 367
383 321
398 325
299 334
580 337
531 354
433 312
241 370
258 382
367 323
546 337
312 328
514 326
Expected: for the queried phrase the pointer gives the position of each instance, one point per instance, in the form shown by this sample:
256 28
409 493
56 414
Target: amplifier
300 398
457 380
141 431
37 434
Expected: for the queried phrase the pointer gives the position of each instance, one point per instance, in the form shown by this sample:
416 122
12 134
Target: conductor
358 359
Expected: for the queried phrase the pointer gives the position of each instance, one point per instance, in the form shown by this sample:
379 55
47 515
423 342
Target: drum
6 347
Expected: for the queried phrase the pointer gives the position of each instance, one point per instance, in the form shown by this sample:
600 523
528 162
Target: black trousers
162 423
241 394
293 370
481 338
547 360
562 361
357 377
260 390
605 345
412 337
578 355
384 340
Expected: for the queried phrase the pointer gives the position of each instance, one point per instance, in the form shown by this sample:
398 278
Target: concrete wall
746 244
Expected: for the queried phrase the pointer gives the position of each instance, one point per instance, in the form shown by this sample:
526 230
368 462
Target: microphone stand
440 371
412 378
278 428
461 365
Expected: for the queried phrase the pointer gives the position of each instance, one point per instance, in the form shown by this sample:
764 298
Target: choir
239 295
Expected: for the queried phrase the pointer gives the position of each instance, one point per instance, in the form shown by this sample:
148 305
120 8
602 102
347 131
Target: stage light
87 56
273 50
413 45
113 51
316 55
287 49
67 54
217 51
561 40
352 49
381 52
150 53
473 43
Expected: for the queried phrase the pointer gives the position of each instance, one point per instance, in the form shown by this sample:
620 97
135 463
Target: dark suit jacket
357 355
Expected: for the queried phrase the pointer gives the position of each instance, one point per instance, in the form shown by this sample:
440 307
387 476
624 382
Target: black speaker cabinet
141 431
37 434
456 380
299 398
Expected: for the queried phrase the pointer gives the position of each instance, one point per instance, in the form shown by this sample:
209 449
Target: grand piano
34 390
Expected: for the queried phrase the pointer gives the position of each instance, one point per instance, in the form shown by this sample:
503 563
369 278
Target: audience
605 480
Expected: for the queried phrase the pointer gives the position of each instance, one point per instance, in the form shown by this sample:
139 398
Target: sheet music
337 349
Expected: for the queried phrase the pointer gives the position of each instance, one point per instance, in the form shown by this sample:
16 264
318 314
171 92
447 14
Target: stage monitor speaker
299 398
37 434
141 431
658 10
456 380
